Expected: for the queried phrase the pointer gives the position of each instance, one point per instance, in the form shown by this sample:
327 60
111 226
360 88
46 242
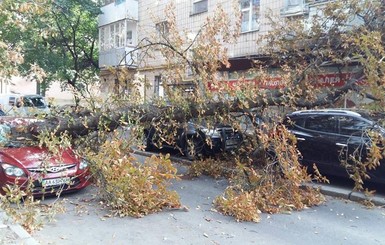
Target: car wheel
193 147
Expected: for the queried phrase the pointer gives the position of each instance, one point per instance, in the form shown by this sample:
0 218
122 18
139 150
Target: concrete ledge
334 191
20 235
377 200
348 194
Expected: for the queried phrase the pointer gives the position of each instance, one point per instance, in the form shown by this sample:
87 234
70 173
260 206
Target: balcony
118 57
294 8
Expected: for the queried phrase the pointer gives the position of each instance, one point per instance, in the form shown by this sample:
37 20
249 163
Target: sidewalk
11 233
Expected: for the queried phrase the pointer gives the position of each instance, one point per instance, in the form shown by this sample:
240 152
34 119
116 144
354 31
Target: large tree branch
88 122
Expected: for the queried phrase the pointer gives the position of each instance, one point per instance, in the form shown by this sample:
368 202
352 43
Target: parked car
23 161
194 138
23 105
328 137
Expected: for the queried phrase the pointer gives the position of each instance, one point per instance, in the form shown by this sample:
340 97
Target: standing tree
58 40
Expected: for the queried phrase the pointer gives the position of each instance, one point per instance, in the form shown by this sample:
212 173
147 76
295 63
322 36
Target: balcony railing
300 7
294 8
118 57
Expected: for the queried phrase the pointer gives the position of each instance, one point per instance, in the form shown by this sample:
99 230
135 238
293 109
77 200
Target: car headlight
11 170
83 164
211 132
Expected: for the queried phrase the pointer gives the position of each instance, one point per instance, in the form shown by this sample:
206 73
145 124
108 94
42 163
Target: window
300 122
130 32
119 34
162 28
294 8
34 102
102 39
250 15
129 37
11 101
114 36
350 126
293 3
158 91
199 6
324 123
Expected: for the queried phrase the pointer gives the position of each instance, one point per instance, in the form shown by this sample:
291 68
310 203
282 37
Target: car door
316 140
352 141
320 148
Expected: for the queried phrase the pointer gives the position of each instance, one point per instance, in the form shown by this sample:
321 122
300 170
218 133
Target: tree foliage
343 34
131 187
58 40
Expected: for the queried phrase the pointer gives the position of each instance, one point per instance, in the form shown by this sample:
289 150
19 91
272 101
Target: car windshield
34 102
5 131
7 141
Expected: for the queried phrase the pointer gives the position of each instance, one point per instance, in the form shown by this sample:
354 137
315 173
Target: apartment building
118 35
149 20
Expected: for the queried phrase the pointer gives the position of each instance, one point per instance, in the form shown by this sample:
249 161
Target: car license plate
55 182
231 142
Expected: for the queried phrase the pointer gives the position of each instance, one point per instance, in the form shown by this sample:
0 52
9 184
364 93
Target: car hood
33 156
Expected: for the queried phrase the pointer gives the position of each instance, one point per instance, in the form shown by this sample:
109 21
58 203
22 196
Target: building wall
153 12
20 85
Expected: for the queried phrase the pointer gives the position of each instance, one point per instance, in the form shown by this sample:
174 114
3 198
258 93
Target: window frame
157 85
199 6
252 10
351 130
113 36
319 119
102 39
162 28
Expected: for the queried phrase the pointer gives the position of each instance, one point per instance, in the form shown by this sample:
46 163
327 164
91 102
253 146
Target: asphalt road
336 222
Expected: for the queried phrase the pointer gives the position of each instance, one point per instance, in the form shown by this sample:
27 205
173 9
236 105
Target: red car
49 173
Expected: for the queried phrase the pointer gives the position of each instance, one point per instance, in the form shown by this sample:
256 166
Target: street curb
359 197
355 196
23 236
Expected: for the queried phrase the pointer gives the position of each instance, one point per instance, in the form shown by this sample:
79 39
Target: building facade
190 16
118 37
150 20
